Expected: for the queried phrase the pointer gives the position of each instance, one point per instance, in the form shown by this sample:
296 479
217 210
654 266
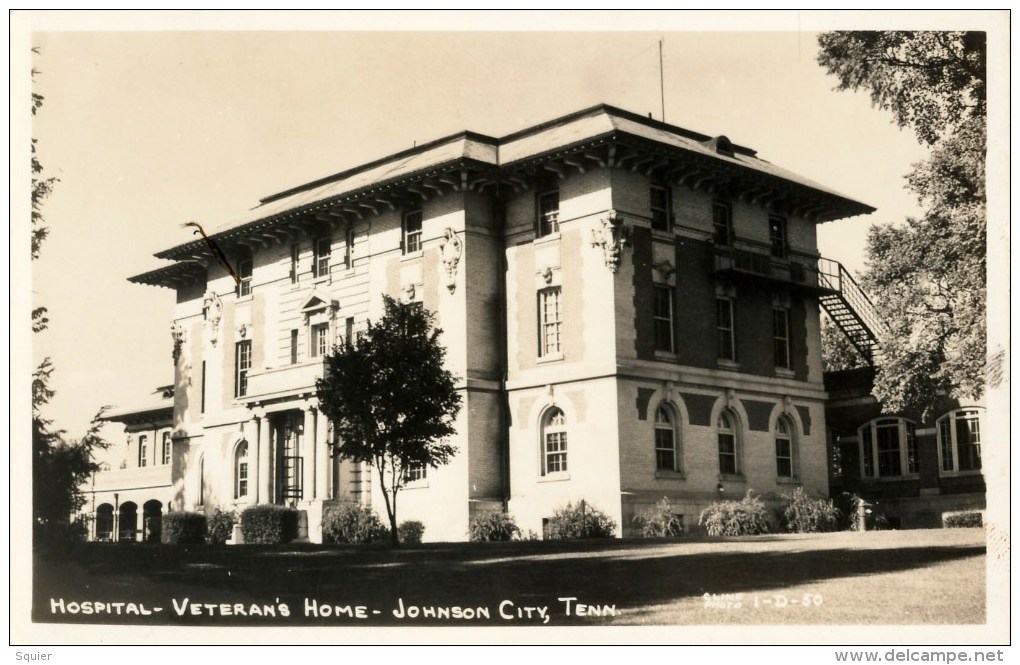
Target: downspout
504 398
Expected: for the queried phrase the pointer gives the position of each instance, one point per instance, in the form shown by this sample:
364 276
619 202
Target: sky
148 128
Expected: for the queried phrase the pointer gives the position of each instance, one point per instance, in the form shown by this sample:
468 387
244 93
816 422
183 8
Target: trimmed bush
661 521
806 515
410 532
183 528
351 522
269 525
220 527
747 517
490 527
579 521
962 520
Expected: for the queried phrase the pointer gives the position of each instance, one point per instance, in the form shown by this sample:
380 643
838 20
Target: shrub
488 527
806 515
220 527
410 532
747 517
351 522
269 524
183 528
580 521
661 522
962 520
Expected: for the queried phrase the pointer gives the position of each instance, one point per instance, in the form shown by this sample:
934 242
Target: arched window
960 441
667 452
888 448
554 442
241 470
785 449
104 522
727 434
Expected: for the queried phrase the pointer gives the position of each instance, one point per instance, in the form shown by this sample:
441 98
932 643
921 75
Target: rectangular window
777 236
722 223
414 473
662 312
412 232
946 442
724 328
244 272
295 254
555 452
665 452
887 434
166 448
320 260
143 450
968 441
661 217
550 322
868 455
349 330
781 337
242 363
913 464
349 249
320 340
727 454
548 213
784 458
202 404
293 346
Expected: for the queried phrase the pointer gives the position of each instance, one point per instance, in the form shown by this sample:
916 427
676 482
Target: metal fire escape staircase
849 308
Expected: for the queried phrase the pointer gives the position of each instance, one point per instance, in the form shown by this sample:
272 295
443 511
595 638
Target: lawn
885 577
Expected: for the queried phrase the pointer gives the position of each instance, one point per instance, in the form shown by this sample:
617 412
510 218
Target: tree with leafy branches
391 399
927 275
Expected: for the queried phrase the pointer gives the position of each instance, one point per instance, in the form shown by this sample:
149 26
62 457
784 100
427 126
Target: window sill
788 481
668 356
554 477
891 479
320 280
732 478
244 298
552 237
416 485
411 256
663 234
785 373
722 363
961 474
550 358
661 474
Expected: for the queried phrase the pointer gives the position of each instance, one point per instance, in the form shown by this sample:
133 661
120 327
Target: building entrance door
288 436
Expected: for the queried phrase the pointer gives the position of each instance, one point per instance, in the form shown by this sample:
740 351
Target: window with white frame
166 452
785 449
959 435
143 450
548 221
245 267
320 340
888 448
662 314
667 456
724 328
726 434
781 337
777 236
320 257
554 442
241 470
242 363
660 207
412 232
415 473
295 254
722 223
349 249
550 322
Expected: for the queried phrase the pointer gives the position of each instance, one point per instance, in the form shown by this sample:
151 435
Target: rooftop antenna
662 86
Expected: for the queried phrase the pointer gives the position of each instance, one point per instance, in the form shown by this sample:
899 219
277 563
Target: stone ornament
242 331
612 236
452 250
547 275
667 271
177 334
212 306
409 292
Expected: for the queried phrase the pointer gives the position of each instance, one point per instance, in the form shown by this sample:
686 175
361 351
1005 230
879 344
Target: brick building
632 310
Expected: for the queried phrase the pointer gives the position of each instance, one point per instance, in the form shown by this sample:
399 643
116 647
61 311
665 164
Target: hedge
351 522
579 521
269 525
184 528
489 527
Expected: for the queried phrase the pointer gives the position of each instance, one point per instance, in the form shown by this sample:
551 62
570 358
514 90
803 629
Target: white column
323 457
253 458
308 449
265 486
